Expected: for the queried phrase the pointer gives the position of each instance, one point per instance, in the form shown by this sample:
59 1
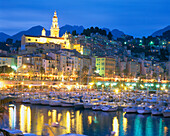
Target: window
3 59
102 68
29 39
6 59
102 63
98 68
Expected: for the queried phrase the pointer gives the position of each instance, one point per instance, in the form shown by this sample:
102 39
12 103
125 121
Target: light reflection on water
31 118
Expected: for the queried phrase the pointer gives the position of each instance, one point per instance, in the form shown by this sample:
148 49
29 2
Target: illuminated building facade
105 66
7 61
54 38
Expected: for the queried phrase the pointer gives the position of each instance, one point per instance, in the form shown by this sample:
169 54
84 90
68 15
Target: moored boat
166 113
109 108
97 108
130 109
144 110
55 103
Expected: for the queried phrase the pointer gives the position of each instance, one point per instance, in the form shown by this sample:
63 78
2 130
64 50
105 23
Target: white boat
109 108
67 104
130 109
45 102
144 110
88 105
157 111
55 103
78 105
166 113
26 101
35 101
97 107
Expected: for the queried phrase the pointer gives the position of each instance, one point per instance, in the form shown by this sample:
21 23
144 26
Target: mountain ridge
161 31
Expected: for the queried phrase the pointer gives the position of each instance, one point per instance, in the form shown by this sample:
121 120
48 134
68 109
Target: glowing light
24 66
113 84
49 113
134 84
107 84
14 67
22 120
12 117
124 123
97 71
157 86
1 84
131 87
116 91
43 83
79 123
22 83
89 119
128 84
99 83
68 122
29 120
91 83
54 113
69 87
59 117
115 126
166 90
30 86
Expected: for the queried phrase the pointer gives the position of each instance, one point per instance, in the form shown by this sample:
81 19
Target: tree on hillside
166 35
110 36
74 33
9 41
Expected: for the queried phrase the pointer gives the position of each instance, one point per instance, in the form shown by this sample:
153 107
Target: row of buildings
72 55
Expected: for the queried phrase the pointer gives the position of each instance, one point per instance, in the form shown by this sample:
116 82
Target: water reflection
31 118
12 116
115 126
25 118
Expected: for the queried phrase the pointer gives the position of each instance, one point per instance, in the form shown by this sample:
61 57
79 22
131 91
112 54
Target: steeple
55 28
55 14
43 33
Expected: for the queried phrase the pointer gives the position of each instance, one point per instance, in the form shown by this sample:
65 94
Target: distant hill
115 32
161 31
69 28
36 30
3 36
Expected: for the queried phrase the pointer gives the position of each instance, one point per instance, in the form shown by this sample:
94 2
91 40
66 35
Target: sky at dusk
133 17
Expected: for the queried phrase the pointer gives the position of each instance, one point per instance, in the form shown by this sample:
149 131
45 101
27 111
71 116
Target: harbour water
34 118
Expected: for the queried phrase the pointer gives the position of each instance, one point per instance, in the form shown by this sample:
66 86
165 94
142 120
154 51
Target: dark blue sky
134 17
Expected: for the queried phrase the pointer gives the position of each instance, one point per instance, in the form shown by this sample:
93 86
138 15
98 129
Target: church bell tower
54 28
